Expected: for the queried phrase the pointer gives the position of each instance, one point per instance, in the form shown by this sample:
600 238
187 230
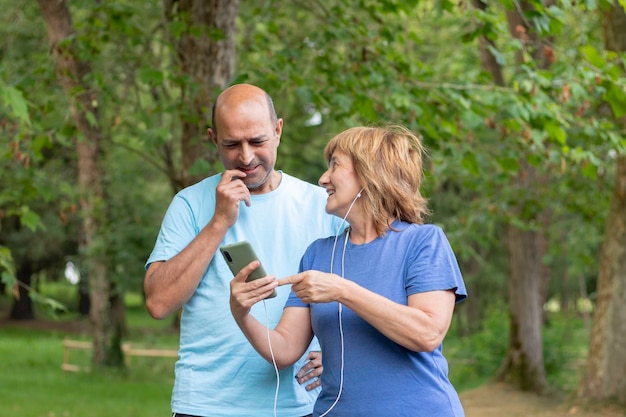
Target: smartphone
239 254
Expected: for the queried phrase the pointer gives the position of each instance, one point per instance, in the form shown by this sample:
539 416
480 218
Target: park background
104 108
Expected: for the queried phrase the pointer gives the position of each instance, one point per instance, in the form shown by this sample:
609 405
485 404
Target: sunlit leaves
470 163
593 56
151 76
14 100
29 218
556 132
7 268
616 97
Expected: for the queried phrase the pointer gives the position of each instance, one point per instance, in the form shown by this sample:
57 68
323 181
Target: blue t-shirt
218 372
382 378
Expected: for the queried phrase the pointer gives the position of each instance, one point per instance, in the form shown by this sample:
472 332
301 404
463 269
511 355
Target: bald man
218 373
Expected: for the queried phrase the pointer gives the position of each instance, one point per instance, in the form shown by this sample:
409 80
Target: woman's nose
324 179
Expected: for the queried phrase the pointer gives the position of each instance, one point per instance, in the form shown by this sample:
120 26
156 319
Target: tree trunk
528 276
605 374
470 314
84 303
523 366
71 72
206 54
23 305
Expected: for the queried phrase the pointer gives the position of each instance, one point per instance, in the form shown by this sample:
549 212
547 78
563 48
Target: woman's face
341 183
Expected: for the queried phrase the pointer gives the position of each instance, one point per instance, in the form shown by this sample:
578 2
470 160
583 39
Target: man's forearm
169 284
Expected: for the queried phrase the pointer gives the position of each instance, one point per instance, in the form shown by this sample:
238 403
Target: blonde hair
388 163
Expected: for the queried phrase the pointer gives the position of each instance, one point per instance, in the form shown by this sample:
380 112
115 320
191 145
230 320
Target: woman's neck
362 232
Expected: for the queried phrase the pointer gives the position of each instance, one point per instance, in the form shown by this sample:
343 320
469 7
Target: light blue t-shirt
218 372
380 377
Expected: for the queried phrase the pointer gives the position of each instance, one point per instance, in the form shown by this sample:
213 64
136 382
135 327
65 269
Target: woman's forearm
287 343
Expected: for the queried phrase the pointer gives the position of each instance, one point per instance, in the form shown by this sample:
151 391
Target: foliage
565 347
7 269
41 164
36 198
418 63
475 359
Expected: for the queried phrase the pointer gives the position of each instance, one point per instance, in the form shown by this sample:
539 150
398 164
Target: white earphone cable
339 307
269 342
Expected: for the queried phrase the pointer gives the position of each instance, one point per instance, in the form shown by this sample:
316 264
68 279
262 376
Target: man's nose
245 154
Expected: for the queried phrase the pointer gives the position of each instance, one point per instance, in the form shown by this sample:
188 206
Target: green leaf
556 133
177 28
7 269
9 281
590 171
47 302
14 99
593 56
443 6
151 76
616 97
29 218
91 118
509 164
470 163
500 59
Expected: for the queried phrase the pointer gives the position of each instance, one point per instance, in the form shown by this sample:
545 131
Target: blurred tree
604 377
202 33
73 72
36 212
527 228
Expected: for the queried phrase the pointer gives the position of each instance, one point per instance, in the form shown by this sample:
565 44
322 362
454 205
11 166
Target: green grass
35 386
32 383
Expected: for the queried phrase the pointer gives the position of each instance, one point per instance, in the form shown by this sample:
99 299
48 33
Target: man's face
248 141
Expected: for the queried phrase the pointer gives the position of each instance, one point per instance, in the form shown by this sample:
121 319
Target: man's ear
212 135
278 129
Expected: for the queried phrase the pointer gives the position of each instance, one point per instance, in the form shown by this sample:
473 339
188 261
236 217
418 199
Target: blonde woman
379 296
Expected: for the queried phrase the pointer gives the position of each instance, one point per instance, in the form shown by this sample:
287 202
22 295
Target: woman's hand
315 286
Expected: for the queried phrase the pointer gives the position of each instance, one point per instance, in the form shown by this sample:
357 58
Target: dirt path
497 400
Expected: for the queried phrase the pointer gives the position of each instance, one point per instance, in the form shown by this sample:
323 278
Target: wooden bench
130 351
127 348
